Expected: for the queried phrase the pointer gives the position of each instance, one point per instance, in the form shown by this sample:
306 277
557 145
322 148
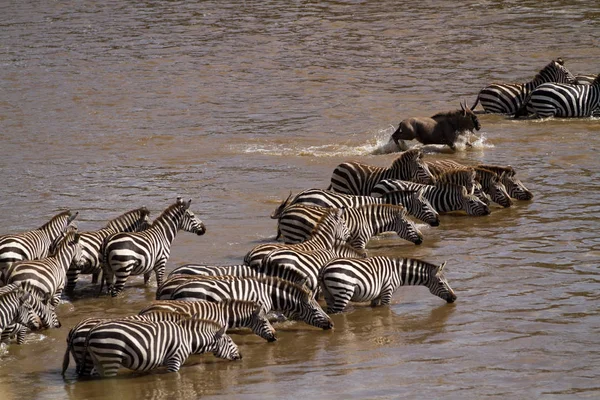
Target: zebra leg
159 270
174 363
121 278
386 296
72 278
147 276
340 301
95 276
21 331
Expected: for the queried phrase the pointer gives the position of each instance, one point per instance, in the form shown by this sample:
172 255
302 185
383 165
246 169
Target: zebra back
34 244
565 100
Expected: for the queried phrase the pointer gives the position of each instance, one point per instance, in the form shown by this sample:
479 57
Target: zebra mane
169 210
66 213
508 170
141 212
408 155
327 214
456 171
450 187
596 81
557 64
394 207
273 280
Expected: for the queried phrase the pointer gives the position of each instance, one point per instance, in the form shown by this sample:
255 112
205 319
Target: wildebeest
442 128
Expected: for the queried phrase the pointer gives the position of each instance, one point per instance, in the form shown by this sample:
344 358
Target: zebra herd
553 92
322 256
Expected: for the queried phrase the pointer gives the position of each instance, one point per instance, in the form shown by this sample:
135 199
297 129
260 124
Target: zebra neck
167 225
64 256
412 272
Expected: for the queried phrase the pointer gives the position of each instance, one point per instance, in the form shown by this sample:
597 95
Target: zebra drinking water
375 279
35 244
140 253
90 262
414 202
514 187
17 306
298 221
509 98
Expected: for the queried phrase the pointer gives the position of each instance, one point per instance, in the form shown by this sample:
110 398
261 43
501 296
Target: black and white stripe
298 221
444 197
35 244
329 232
90 262
294 301
514 187
564 100
359 179
146 345
140 253
375 280
46 278
17 307
508 98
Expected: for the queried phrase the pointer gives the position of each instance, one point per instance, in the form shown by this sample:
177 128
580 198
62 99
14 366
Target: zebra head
46 312
260 325
225 347
65 222
334 221
418 170
422 209
311 312
498 193
407 229
472 204
25 311
190 222
558 73
515 188
438 285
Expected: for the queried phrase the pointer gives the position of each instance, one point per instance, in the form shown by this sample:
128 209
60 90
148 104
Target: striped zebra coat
565 100
464 177
514 187
359 179
509 98
146 345
91 242
491 184
375 279
17 306
329 232
46 278
414 202
298 221
444 197
35 244
294 301
140 253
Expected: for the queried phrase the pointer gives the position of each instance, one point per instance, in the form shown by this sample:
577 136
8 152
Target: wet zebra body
141 253
358 179
35 244
294 301
329 232
444 197
91 242
509 98
564 100
514 187
17 308
146 345
46 278
375 280
298 221
490 183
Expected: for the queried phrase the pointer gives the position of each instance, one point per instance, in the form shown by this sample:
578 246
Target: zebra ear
440 270
186 205
219 334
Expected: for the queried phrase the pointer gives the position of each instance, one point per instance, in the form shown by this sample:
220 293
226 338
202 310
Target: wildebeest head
469 120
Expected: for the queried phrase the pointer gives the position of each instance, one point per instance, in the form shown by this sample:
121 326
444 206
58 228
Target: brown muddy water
107 106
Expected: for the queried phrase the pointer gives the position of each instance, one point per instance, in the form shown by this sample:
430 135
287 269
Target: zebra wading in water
35 244
294 301
375 279
140 253
146 345
464 177
565 100
329 232
297 222
358 179
91 242
514 187
17 307
508 98
444 197
46 278
414 202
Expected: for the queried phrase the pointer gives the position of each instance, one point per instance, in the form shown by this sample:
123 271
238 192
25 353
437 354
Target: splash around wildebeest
442 128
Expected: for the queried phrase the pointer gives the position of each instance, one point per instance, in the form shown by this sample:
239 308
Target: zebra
329 231
275 294
308 262
48 319
565 100
231 313
137 253
509 98
461 176
490 183
35 244
585 79
17 307
514 187
298 221
146 345
375 279
90 262
47 277
414 202
288 273
444 197
358 179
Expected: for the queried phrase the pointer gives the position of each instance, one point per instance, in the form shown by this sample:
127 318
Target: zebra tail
66 359
472 108
81 365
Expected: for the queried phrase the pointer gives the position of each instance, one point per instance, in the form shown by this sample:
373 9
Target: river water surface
108 106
